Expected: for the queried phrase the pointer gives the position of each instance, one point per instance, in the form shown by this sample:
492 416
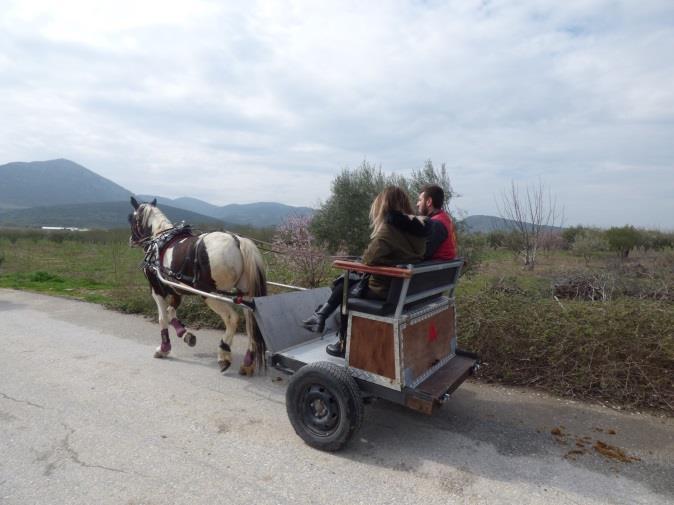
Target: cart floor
308 352
280 317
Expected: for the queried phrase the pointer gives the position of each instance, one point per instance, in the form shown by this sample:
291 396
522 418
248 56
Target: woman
397 237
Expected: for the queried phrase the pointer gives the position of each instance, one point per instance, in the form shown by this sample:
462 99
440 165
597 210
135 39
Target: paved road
88 416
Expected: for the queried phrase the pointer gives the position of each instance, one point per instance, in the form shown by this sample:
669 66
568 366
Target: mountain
54 182
486 224
253 214
46 193
185 202
261 213
96 215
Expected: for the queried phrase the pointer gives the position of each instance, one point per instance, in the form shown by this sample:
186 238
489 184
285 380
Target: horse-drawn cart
402 349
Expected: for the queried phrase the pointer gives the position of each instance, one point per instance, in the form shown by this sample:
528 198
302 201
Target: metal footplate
436 389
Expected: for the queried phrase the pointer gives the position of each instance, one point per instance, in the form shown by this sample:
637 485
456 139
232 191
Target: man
441 243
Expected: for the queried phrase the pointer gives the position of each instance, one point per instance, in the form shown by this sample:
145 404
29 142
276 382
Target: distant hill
47 193
96 215
54 182
187 203
486 224
253 214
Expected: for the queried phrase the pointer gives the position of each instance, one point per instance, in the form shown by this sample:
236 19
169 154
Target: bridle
139 236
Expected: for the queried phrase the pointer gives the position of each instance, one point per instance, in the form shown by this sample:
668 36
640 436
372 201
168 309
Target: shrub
621 352
571 233
623 240
551 240
513 242
592 286
496 238
589 243
472 248
656 240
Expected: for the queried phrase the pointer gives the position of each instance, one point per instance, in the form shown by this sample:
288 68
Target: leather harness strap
196 257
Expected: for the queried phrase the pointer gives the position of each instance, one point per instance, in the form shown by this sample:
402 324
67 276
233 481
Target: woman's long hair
391 199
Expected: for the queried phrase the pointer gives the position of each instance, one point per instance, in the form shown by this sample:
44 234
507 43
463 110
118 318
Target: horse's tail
254 270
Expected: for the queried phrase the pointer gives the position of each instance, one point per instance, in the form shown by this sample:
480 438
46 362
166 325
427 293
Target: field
598 328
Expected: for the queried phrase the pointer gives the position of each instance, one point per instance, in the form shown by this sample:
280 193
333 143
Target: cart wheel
324 405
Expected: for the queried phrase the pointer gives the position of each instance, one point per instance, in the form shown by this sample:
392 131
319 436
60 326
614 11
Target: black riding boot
337 349
316 322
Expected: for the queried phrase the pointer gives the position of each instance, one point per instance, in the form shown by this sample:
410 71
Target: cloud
239 102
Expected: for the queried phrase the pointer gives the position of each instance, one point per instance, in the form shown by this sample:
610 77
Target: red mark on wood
432 333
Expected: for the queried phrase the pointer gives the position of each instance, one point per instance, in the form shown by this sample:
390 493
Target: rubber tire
347 403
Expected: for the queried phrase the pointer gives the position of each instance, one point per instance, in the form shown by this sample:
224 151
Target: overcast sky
268 101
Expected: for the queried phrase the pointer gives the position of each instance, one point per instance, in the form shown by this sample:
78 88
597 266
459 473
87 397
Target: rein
269 247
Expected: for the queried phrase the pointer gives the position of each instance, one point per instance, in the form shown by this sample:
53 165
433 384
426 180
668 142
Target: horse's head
139 220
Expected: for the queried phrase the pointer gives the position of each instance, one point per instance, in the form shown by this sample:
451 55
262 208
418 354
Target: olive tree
623 240
342 221
430 175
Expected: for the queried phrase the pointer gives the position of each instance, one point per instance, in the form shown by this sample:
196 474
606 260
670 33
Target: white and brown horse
210 262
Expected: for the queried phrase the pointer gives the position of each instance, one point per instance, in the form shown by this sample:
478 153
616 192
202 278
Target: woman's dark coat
401 240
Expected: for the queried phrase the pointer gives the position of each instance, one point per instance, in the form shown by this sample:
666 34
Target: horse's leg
165 347
248 365
231 319
181 331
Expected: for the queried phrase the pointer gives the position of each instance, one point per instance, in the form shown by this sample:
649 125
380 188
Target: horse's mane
154 219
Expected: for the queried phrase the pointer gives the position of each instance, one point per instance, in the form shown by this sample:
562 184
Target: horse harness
189 263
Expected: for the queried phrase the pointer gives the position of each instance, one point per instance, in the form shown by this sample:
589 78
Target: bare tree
532 213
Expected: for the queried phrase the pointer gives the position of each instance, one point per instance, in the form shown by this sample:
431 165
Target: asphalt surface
89 417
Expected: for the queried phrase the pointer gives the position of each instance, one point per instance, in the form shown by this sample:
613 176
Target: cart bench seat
410 284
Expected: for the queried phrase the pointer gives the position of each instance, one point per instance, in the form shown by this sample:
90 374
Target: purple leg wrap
178 326
165 341
249 358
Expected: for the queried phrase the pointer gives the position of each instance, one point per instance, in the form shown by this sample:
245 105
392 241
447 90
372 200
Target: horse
216 262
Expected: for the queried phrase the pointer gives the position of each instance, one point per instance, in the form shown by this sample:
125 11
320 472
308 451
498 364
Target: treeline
587 241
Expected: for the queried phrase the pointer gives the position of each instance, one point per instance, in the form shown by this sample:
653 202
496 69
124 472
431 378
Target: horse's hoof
160 354
224 365
246 370
190 339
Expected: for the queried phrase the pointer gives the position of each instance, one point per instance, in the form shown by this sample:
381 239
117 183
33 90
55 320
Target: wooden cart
403 349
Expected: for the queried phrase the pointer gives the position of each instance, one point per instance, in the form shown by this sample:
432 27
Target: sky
238 102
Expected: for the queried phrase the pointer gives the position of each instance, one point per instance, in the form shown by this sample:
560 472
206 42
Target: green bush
589 243
571 233
496 239
623 240
472 247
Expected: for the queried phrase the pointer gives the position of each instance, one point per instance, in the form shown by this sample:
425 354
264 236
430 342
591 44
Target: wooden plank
420 404
404 273
427 342
448 378
371 346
